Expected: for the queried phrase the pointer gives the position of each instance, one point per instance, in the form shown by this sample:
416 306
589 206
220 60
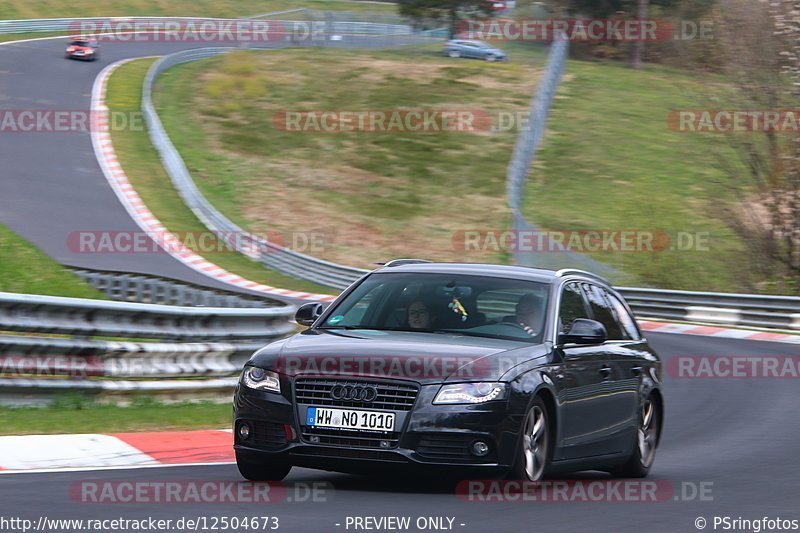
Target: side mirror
584 331
307 314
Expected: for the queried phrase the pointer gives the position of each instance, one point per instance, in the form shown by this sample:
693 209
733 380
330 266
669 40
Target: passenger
419 316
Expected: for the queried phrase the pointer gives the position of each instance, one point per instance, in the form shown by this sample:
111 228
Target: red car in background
86 49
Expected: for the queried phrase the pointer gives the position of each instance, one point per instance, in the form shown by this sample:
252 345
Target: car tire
262 471
490 58
454 54
534 448
644 450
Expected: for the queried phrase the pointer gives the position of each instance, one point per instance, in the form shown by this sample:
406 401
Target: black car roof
502 271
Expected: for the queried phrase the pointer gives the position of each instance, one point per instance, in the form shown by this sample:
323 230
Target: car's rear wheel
454 53
646 441
255 471
533 456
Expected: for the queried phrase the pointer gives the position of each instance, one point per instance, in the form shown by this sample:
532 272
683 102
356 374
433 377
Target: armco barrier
143 288
97 318
195 350
749 310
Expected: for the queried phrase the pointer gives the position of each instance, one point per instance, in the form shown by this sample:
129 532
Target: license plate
323 417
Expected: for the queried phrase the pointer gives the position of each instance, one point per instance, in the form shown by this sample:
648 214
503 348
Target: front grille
391 396
447 448
347 437
264 434
349 453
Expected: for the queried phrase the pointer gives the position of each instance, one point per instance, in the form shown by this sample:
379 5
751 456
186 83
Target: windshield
478 306
80 43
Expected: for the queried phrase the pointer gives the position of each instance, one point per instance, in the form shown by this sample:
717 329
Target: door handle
637 370
605 371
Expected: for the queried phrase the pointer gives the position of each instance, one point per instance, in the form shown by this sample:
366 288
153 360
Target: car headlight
470 393
260 379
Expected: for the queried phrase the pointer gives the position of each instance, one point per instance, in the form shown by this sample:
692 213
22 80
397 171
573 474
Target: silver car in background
473 49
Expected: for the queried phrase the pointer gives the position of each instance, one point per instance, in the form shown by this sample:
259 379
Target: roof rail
568 271
398 262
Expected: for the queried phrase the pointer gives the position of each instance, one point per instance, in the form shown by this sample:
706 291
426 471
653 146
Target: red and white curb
118 450
718 332
106 156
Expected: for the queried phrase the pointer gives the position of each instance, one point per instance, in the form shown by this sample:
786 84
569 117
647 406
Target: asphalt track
51 183
738 437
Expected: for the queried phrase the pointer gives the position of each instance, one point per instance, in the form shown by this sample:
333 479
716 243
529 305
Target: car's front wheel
533 455
646 441
490 57
262 471
454 53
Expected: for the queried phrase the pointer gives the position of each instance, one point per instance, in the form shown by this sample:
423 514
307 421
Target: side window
602 311
626 321
572 307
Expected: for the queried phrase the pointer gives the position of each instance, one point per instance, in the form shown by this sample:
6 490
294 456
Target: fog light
480 448
244 431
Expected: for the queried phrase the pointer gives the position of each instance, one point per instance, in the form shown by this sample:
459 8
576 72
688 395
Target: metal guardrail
97 318
528 142
749 310
269 254
176 349
141 288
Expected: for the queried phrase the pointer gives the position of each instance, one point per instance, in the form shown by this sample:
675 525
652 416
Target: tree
444 10
760 51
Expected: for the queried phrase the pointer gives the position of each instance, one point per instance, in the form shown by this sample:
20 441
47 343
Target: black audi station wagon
483 370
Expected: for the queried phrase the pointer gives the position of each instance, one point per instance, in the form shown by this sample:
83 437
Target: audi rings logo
358 393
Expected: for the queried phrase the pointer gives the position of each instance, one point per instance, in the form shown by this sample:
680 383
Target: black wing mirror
584 331
307 314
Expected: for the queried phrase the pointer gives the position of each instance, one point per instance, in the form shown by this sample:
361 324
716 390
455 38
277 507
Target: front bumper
427 435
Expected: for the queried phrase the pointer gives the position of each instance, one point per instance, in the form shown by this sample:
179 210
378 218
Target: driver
528 314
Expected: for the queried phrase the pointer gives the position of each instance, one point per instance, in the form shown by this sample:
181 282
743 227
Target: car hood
421 357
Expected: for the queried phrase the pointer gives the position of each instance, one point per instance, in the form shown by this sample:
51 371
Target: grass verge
372 195
610 161
143 167
78 415
25 269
